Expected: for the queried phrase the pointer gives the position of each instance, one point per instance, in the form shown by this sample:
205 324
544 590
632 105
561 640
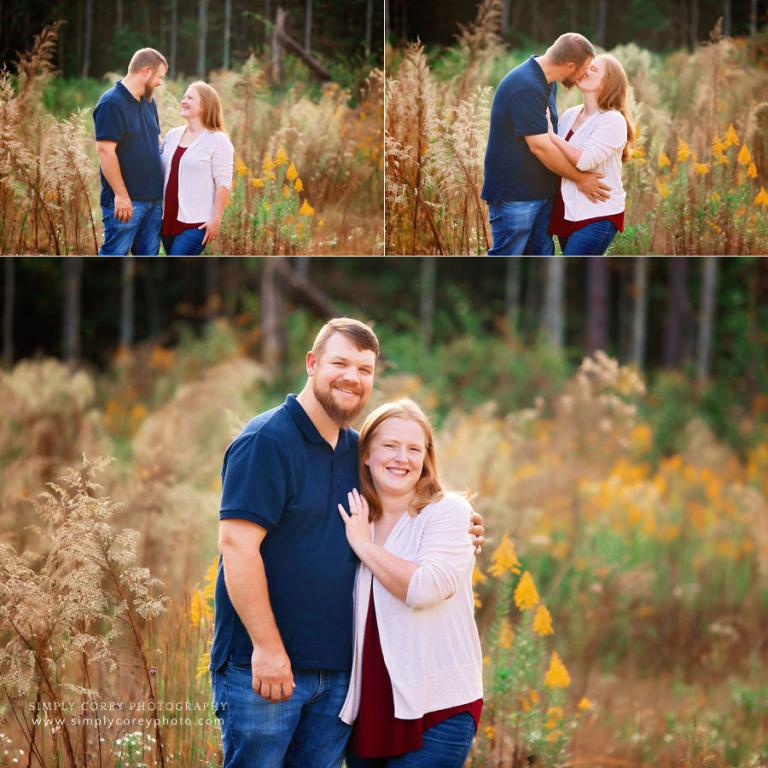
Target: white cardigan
205 166
430 642
601 138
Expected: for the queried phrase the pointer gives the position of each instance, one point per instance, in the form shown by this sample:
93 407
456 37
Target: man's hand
123 208
591 186
272 676
477 531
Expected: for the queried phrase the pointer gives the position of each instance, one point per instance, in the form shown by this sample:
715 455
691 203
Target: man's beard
568 83
341 416
148 92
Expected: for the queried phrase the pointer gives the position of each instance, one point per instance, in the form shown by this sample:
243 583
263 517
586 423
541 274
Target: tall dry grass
49 180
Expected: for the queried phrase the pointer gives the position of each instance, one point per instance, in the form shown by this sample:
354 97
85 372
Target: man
128 143
282 647
522 166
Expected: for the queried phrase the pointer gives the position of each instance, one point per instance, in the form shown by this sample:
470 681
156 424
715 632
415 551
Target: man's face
153 79
578 72
342 378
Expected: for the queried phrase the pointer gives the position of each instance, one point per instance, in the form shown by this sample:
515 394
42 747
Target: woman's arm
213 226
222 162
571 153
609 137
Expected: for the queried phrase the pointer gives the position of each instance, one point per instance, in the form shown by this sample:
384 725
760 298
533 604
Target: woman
197 161
594 136
415 694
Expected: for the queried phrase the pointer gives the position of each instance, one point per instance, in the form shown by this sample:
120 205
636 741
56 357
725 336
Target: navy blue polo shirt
512 171
135 126
282 474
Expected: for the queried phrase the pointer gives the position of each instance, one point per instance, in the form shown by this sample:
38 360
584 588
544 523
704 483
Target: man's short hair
357 332
147 57
571 48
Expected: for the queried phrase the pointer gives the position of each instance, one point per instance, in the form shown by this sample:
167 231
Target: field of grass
622 597
309 160
696 180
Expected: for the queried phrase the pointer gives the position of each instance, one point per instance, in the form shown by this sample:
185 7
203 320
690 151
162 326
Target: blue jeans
187 243
592 240
445 745
140 234
520 228
303 732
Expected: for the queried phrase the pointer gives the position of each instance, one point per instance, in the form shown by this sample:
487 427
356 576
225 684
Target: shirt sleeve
254 481
609 136
109 121
445 555
528 109
223 162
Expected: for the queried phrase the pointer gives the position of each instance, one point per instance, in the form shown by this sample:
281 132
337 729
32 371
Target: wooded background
660 25
706 317
100 37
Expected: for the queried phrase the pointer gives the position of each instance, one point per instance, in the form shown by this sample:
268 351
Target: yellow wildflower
478 577
281 158
504 559
731 137
752 171
306 209
196 608
557 675
638 153
702 169
662 187
257 183
286 191
298 186
202 665
717 145
683 151
663 159
321 223
241 168
744 157
762 197
291 173
714 198
506 634
526 595
266 164
585 703
490 732
542 621
534 697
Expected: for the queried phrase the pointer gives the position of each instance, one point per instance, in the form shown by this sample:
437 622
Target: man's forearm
110 167
246 583
550 156
572 154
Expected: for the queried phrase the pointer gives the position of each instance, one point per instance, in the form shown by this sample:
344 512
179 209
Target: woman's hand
211 228
356 523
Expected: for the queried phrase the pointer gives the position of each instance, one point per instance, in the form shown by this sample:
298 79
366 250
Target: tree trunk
552 321
87 37
212 295
427 299
73 277
727 6
272 314
597 306
752 18
119 16
602 19
302 267
307 25
512 294
505 17
368 28
9 300
277 46
677 309
227 32
127 301
639 311
709 270
174 37
387 21
202 36
694 25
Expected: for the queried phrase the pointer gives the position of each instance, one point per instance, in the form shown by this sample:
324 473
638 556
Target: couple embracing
173 188
546 176
344 625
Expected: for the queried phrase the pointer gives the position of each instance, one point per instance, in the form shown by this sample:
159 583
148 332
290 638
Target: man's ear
311 363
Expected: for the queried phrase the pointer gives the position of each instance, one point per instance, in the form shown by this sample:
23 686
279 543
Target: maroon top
171 223
377 732
562 227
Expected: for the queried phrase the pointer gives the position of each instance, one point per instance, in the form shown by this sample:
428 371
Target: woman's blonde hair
614 95
428 488
212 115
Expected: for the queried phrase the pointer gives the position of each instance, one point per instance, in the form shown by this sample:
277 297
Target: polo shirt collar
126 94
304 423
539 71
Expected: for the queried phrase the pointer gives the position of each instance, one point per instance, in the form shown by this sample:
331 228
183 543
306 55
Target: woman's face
592 80
396 456
191 104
